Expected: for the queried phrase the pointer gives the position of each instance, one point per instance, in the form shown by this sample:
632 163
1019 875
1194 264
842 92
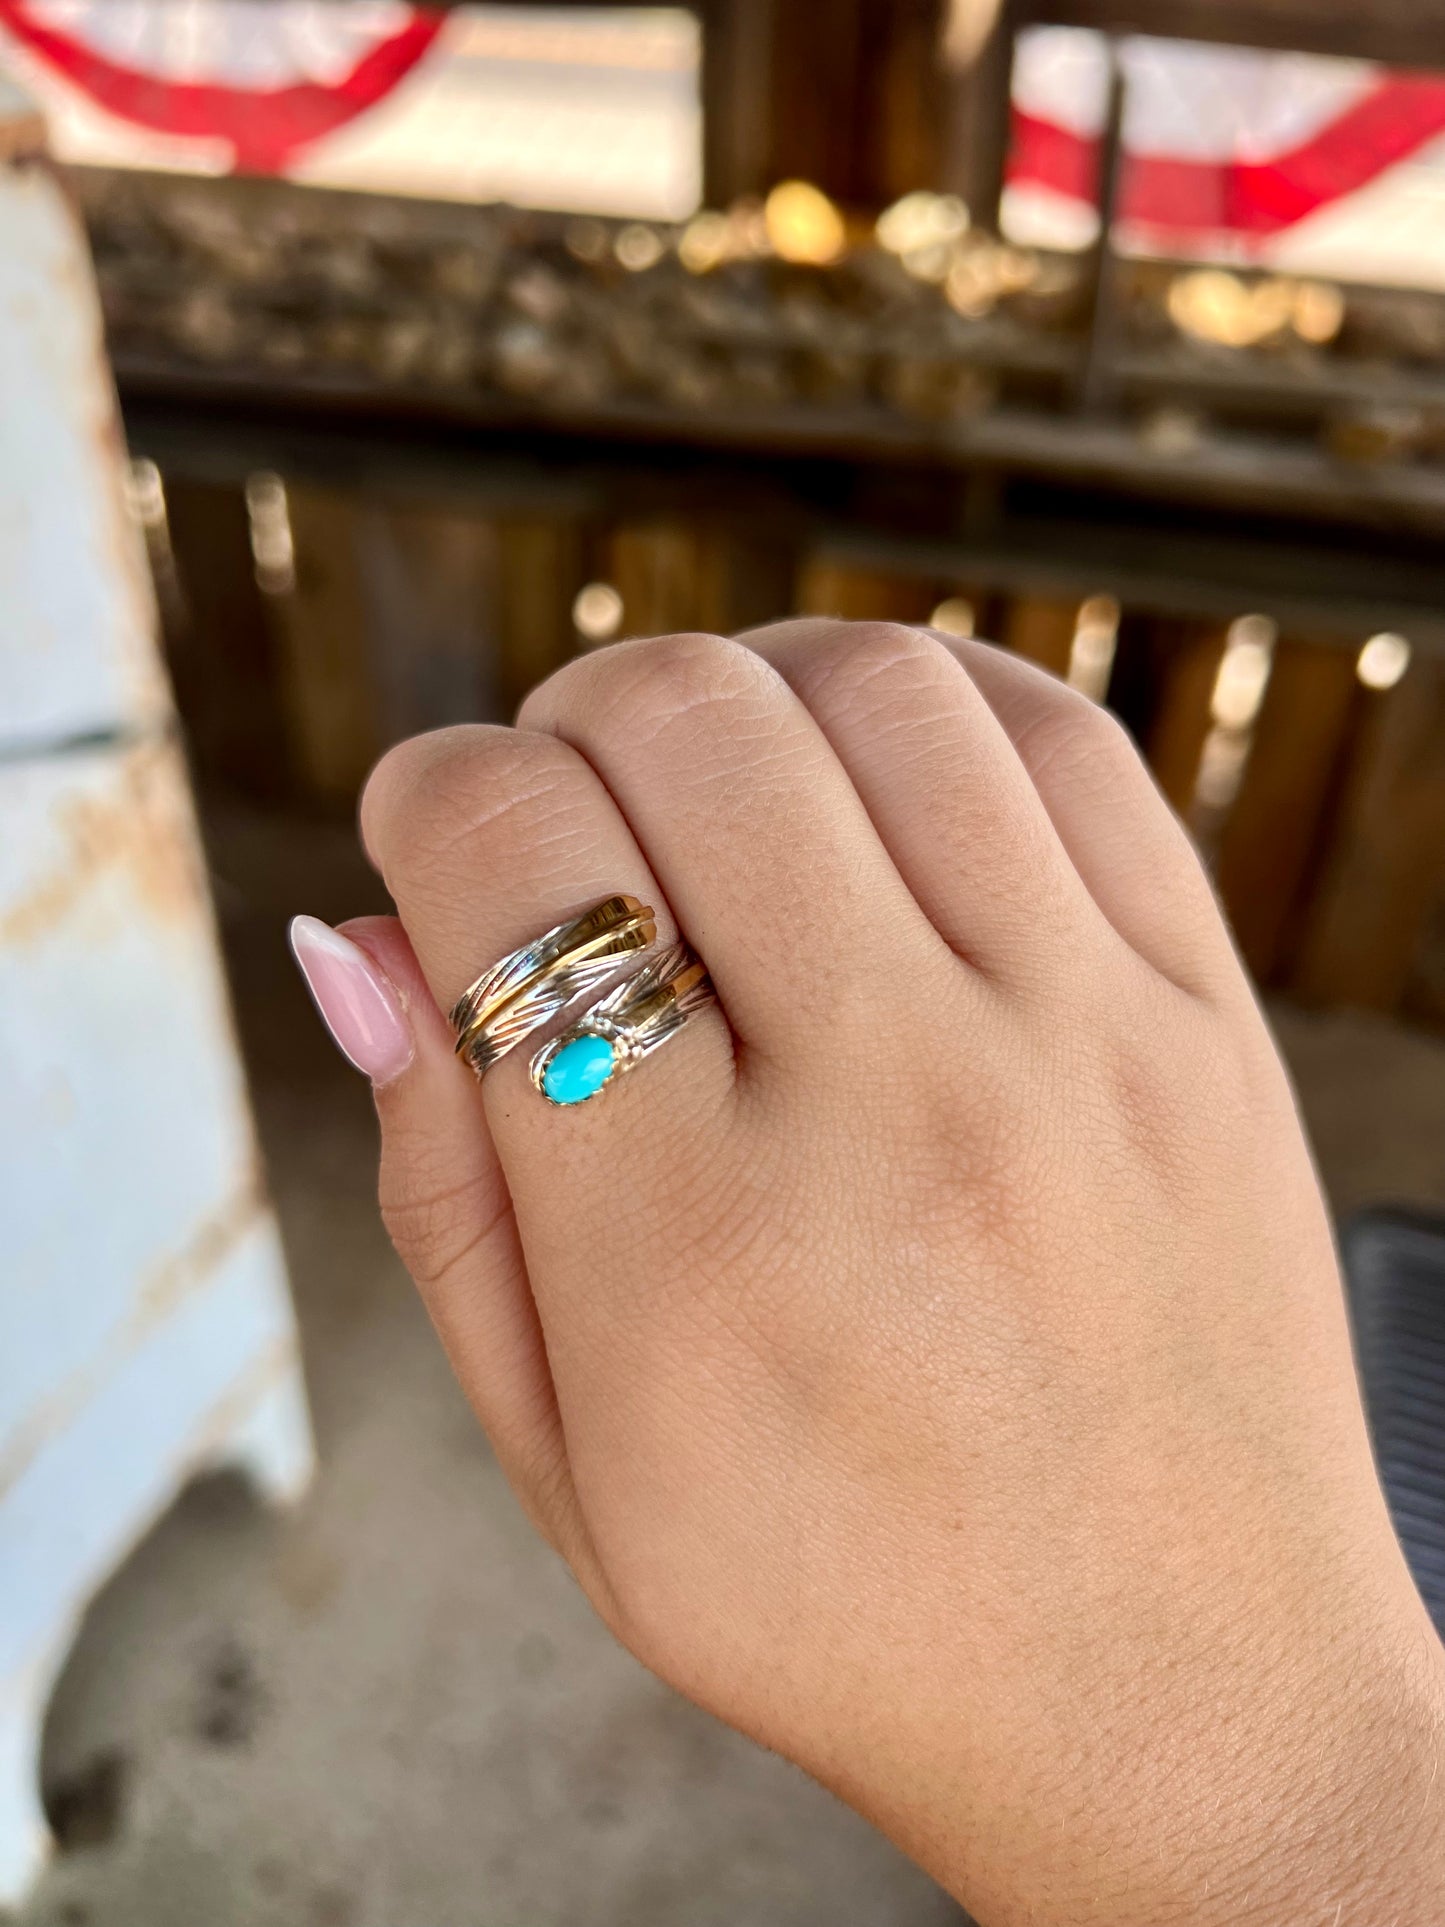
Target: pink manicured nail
357 1004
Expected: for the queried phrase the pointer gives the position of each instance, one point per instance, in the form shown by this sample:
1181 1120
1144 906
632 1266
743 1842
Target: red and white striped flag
267 77
1221 144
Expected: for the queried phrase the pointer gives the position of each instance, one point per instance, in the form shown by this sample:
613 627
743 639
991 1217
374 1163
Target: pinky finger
446 1204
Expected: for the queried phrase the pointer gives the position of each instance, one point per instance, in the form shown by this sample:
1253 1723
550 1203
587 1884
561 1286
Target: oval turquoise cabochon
579 1070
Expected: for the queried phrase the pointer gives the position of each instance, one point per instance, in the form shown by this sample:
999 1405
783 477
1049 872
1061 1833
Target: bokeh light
955 616
597 612
1383 661
803 224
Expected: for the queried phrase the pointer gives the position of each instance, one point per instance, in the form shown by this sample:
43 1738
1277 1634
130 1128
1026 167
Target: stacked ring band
527 989
631 1022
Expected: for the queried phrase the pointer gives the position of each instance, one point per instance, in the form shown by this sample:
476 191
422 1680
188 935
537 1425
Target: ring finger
486 838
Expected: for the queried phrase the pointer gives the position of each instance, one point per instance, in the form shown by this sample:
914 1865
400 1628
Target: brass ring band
528 988
631 1022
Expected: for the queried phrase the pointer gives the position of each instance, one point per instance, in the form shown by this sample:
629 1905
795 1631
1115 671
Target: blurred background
450 341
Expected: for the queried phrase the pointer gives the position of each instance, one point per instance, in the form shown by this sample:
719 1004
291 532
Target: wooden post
831 586
1402 32
848 94
428 580
978 77
542 563
328 687
709 575
1042 629
1384 878
1188 666
1269 841
222 647
392 628
1096 378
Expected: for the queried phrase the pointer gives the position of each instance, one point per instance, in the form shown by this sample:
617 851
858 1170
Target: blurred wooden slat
391 629
849 94
761 571
542 563
1268 841
1403 32
429 581
327 679
905 99
828 586
1188 656
1384 879
660 569
979 69
1042 630
1425 998
220 643
716 577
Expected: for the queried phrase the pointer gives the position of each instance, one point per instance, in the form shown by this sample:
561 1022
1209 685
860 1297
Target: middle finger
752 825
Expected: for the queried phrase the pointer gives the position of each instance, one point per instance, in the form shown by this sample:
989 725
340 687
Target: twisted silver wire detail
529 987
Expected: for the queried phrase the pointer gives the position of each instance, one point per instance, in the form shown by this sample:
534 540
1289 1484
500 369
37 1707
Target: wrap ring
529 987
641 1014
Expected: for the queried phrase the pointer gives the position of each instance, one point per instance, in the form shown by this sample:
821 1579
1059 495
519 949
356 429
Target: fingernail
357 1004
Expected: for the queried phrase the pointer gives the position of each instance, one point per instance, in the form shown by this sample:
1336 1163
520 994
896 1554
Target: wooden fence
311 623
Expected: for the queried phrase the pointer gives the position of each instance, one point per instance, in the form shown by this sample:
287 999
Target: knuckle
648 687
471 783
1079 742
857 655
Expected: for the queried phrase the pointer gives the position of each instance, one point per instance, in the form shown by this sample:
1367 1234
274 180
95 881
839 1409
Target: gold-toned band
528 988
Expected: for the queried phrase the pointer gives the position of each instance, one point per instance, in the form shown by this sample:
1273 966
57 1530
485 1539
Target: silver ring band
528 988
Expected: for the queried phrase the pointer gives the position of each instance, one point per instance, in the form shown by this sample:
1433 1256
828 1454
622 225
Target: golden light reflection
1221 772
982 276
1211 304
1383 661
921 221
1238 696
803 225
955 616
638 247
705 242
713 238
145 494
273 551
1319 312
597 613
1095 644
967 26
145 497
587 240
1244 672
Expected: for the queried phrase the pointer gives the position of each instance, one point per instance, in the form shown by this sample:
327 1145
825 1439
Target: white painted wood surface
145 1326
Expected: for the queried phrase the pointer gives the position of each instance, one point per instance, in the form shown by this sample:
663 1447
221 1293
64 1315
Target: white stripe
231 43
1187 101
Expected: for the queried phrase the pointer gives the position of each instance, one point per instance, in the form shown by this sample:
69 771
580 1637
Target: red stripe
265 127
1391 122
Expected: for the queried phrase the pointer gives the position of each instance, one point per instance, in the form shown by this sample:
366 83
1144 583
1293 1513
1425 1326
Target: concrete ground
392 1708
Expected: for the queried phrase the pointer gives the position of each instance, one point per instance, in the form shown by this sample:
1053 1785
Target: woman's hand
933 1361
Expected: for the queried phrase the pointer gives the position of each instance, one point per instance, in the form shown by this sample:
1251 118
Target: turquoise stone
579 1070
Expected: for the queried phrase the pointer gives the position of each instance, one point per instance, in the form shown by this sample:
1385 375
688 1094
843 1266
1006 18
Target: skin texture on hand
933 1361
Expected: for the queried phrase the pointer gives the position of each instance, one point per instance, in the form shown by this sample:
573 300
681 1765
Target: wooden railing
312 622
